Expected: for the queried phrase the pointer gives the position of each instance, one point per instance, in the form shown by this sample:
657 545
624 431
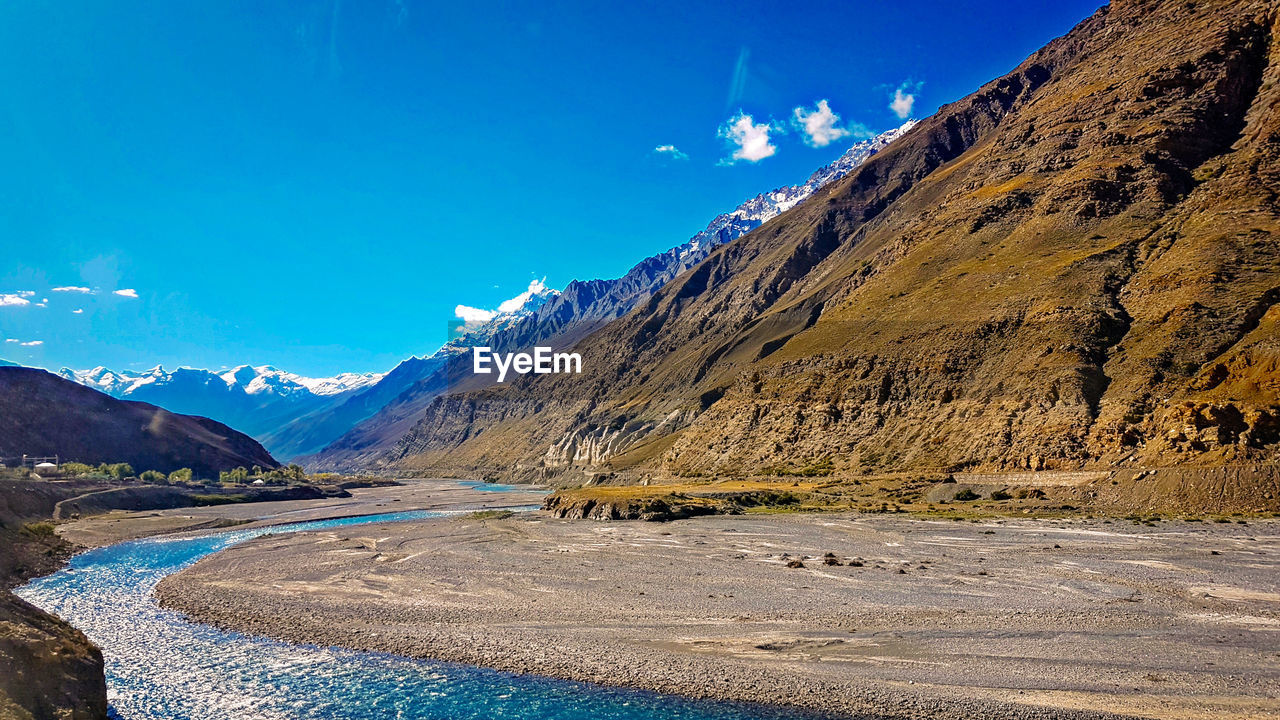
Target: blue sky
317 185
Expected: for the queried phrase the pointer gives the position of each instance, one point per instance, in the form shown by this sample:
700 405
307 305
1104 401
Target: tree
153 476
181 475
119 471
75 468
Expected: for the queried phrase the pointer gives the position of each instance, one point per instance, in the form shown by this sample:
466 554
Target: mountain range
254 400
347 420
1074 267
561 319
47 415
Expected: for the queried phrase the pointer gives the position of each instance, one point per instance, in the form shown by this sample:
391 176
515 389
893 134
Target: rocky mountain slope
312 431
563 318
1075 266
48 415
255 400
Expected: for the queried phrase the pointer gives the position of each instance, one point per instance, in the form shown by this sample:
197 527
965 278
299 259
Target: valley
979 420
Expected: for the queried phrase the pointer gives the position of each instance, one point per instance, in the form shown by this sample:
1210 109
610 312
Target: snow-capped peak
481 325
266 378
514 308
529 300
247 378
764 207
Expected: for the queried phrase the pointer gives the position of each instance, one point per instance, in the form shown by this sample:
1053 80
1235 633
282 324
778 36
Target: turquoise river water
160 666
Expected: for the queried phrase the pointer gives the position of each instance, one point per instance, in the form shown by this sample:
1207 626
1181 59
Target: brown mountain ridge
45 415
1074 267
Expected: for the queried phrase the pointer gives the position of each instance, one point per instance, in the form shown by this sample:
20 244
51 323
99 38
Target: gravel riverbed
857 615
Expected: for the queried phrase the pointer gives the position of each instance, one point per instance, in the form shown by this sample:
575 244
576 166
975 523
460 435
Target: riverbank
412 494
51 670
56 671
1003 618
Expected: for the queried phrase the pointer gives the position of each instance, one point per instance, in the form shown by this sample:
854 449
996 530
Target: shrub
116 471
1000 495
153 476
967 494
181 475
75 468
39 530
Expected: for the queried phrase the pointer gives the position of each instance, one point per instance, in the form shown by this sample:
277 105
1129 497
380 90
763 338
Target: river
159 666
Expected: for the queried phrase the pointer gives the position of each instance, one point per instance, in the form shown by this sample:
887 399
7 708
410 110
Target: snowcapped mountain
311 432
764 207
294 415
251 380
266 379
376 418
480 325
254 400
585 304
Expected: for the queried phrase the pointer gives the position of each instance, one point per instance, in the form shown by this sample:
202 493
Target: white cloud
471 315
536 287
73 289
126 292
820 125
32 343
10 300
77 311
904 99
751 139
671 151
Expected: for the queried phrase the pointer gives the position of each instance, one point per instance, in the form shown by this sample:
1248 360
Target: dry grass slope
1075 267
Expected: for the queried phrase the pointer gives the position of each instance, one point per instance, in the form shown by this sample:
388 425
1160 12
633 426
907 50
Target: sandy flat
414 494
942 619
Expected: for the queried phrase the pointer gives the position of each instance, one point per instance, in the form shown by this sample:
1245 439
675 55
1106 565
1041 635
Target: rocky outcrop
51 670
1074 267
653 509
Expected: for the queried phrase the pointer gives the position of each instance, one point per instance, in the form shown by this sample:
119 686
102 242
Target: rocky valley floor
904 617
416 494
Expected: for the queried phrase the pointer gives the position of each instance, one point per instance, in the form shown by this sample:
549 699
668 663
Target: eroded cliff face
1075 266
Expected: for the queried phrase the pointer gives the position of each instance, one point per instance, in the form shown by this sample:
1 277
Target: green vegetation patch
218 499
39 530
